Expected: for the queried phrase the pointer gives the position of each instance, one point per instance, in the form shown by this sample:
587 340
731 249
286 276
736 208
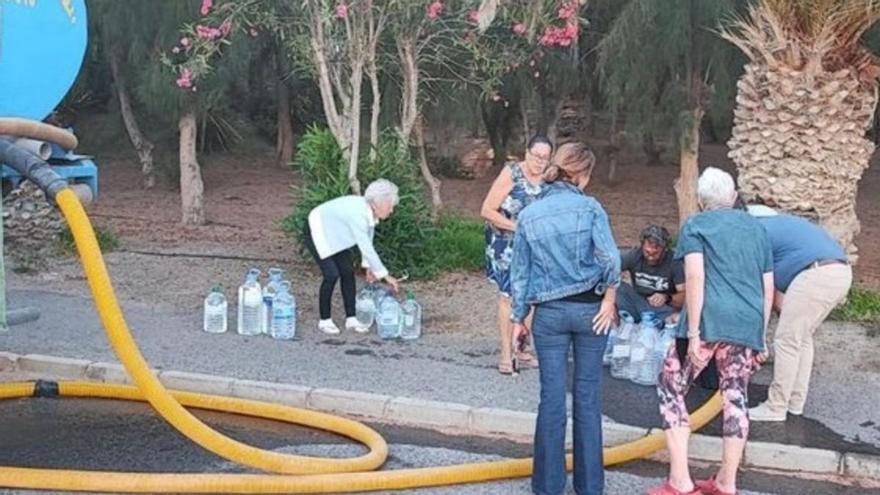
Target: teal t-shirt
736 254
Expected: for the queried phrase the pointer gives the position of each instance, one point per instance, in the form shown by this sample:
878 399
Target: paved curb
446 417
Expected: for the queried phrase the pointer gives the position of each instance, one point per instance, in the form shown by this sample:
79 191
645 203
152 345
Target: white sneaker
762 412
796 412
328 327
352 323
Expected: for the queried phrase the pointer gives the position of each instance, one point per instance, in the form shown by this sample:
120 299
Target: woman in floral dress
518 184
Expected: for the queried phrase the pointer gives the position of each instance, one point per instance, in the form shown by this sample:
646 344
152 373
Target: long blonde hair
570 163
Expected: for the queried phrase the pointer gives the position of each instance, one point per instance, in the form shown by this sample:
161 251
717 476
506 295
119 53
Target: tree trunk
142 145
354 125
409 112
284 141
649 146
433 182
192 190
373 73
613 149
686 185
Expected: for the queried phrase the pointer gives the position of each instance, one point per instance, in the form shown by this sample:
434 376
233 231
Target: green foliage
408 242
862 305
107 240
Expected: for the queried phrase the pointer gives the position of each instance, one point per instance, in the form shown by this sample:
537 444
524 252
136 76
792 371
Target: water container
283 313
664 342
269 291
250 302
365 306
388 320
380 292
609 347
621 351
215 311
411 326
642 365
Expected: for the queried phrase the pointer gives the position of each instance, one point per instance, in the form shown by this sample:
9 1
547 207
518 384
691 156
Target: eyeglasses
538 158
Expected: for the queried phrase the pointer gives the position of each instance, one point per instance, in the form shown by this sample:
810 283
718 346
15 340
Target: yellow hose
313 475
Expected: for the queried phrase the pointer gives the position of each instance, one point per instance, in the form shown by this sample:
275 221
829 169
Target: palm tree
804 102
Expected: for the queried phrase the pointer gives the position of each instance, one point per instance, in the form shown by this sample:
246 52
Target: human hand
762 357
605 318
395 285
694 346
657 299
370 276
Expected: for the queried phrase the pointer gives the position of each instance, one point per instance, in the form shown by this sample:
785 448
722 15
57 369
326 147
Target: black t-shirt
648 279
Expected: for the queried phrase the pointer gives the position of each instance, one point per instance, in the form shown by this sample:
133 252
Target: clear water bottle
388 320
250 302
380 292
621 351
411 326
283 313
269 291
365 306
215 311
609 347
643 370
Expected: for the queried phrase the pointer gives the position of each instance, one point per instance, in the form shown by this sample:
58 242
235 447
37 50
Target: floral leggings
736 364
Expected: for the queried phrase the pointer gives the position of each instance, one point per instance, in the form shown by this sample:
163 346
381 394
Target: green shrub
408 242
460 244
107 240
862 305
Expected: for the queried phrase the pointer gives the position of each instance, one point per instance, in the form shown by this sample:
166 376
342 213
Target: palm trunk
686 185
142 145
284 141
192 190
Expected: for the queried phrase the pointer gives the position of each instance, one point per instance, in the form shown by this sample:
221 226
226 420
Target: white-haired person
728 267
336 226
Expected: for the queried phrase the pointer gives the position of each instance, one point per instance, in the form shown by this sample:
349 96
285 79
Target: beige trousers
811 296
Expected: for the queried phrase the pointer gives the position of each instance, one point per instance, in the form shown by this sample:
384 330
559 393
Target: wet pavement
841 415
117 435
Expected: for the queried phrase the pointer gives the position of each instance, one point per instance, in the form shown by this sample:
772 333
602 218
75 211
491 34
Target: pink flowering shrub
206 6
341 10
434 9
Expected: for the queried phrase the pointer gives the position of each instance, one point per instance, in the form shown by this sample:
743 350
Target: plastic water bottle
621 351
215 311
609 347
365 306
643 370
283 313
269 292
388 320
411 326
250 302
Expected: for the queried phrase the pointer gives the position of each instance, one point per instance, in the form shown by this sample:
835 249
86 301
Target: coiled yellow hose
312 475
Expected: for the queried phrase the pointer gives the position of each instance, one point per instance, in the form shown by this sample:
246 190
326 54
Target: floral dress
499 243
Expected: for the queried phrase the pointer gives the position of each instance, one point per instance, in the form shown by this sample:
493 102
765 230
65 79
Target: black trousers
339 266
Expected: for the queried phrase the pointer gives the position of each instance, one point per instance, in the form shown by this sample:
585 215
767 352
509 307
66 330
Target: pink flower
208 32
474 16
185 79
176 49
341 10
568 9
225 27
434 9
519 28
184 42
206 6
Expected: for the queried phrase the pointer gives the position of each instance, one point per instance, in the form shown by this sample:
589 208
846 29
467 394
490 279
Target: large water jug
283 313
609 346
269 291
411 326
642 365
365 306
621 350
215 311
250 302
388 320
664 342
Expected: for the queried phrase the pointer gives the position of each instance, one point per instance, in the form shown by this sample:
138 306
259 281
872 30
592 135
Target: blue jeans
558 324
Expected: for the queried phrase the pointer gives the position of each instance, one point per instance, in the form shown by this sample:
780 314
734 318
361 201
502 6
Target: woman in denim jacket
566 264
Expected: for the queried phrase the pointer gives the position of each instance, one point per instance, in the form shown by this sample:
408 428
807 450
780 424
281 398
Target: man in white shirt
333 228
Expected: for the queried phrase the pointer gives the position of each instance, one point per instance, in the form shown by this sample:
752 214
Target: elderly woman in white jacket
333 229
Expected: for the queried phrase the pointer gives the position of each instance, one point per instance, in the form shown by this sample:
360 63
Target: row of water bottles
269 309
636 352
393 319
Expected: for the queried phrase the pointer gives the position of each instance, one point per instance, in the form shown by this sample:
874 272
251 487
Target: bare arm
769 293
695 277
677 300
492 204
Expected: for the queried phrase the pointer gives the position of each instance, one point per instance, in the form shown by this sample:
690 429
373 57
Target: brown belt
825 262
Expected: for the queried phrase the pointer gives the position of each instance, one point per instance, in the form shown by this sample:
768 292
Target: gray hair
382 190
716 189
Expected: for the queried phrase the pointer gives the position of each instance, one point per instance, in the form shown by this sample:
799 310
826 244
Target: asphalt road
116 435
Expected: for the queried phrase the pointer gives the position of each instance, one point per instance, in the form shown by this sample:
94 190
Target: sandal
667 489
710 487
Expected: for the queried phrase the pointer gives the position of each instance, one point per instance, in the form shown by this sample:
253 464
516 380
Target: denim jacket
563 246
